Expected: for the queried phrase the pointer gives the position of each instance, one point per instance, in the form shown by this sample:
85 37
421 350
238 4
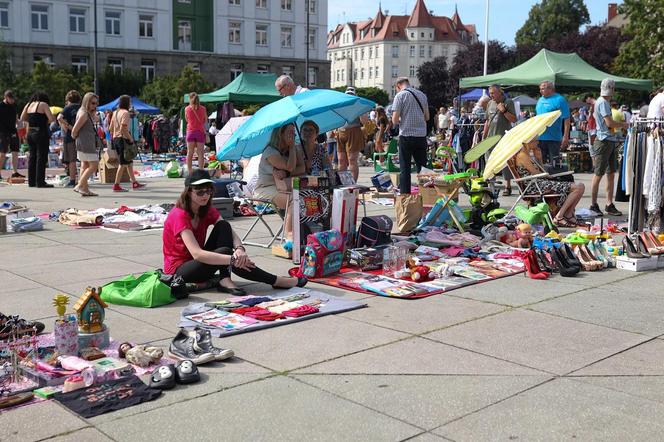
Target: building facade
219 38
376 52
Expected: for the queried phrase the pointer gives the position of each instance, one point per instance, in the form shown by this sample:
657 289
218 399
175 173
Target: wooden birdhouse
90 311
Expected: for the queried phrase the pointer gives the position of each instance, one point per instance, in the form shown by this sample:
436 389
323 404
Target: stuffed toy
420 273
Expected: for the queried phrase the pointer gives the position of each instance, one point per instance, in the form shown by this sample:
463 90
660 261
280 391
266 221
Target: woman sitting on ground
281 160
316 159
571 193
189 255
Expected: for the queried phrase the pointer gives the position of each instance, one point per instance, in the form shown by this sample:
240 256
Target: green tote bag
145 290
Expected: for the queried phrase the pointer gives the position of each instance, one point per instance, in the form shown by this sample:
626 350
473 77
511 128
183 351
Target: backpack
323 254
374 231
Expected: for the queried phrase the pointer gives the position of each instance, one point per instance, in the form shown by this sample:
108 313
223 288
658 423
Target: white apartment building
376 52
220 38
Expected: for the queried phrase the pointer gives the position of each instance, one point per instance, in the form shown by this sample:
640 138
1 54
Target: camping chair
530 190
261 207
389 155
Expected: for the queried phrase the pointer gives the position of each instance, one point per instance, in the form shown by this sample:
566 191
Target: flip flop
88 193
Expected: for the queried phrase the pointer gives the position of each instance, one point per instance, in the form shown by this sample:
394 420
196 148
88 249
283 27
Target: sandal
563 222
235 291
87 193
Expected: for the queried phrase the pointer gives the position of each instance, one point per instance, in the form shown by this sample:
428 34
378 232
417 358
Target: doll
141 355
524 235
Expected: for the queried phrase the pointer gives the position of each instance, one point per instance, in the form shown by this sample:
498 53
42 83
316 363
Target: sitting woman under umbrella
189 255
570 192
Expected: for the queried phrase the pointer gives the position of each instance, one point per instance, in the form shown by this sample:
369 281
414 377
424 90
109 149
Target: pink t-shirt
195 118
174 249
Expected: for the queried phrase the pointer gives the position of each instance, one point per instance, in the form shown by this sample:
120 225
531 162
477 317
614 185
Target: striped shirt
412 122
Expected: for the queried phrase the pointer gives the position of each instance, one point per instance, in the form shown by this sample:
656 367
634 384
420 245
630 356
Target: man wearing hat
8 137
604 150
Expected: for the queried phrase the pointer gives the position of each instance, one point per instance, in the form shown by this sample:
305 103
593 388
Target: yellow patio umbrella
55 110
514 139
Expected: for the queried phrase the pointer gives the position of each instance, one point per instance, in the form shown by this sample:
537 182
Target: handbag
130 150
408 211
146 290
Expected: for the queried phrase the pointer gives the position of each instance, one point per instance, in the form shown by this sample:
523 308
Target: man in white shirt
286 86
656 106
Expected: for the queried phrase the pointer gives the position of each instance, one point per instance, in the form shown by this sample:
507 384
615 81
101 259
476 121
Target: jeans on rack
415 147
220 241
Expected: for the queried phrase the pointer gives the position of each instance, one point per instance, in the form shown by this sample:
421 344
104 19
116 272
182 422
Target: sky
505 16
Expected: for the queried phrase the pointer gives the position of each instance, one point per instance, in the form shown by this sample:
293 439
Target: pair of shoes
565 261
137 186
301 282
611 210
165 377
589 262
533 269
17 175
119 188
235 291
595 208
631 250
196 345
13 324
45 185
651 243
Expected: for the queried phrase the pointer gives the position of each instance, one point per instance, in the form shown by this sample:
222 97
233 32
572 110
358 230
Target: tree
643 55
469 62
434 79
375 94
598 45
113 84
7 77
167 91
553 18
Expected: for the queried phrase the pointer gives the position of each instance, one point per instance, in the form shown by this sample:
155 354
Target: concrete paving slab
646 359
304 343
633 311
421 315
38 421
11 241
84 435
425 401
31 304
125 328
517 290
646 387
418 356
12 282
556 345
562 410
427 437
18 258
83 271
294 411
606 276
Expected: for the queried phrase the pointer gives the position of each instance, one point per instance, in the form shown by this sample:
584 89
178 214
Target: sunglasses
203 192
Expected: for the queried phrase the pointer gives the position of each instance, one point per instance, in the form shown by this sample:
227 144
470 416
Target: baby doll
524 234
140 355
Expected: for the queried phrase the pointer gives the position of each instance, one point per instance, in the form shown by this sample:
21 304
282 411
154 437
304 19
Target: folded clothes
31 224
257 313
253 301
302 310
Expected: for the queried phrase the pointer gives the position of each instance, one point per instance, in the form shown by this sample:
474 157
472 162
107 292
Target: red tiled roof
420 17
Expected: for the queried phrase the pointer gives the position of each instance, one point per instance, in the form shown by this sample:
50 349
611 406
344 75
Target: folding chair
265 205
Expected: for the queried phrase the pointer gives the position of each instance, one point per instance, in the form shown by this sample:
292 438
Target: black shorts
9 143
118 146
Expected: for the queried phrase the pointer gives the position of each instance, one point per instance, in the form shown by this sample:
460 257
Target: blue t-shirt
603 109
550 104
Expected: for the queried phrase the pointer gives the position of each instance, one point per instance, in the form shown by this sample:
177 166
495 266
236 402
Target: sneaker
13 324
204 344
182 348
136 185
595 208
611 210
71 183
119 188
17 175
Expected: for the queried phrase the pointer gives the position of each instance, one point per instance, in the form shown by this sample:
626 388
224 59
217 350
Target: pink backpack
323 254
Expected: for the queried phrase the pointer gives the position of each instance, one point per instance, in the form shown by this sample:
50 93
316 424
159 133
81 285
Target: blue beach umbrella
329 109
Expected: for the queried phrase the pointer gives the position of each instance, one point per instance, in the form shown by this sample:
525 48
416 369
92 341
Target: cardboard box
429 195
344 213
107 173
636 264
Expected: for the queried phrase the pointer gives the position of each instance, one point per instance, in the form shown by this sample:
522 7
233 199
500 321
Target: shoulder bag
130 150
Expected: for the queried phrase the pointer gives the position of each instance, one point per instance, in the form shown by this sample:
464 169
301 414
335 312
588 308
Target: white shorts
83 156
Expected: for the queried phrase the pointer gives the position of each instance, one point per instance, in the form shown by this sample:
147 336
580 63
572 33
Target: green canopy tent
562 69
245 89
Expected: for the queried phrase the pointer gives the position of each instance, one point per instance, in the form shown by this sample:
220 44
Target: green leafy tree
167 91
113 84
374 94
643 55
469 62
552 18
7 77
434 79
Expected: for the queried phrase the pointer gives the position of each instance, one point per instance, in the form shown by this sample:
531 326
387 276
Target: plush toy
420 273
524 234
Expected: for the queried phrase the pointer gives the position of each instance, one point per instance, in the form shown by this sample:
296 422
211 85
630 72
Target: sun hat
198 177
607 87
350 90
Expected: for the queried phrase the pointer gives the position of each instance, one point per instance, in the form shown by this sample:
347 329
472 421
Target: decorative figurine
90 311
60 303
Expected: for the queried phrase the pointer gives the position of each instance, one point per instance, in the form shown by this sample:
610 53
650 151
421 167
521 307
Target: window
312 38
261 35
376 72
145 25
395 71
184 35
234 2
262 4
287 39
79 64
288 70
234 32
4 15
412 71
430 51
313 76
46 58
370 72
355 74
39 17
355 56
370 52
147 69
116 65
112 23
412 50
286 5
195 66
236 70
343 75
338 75
412 35
362 74
422 34
421 50
76 20
312 6
361 54
377 52
263 68
395 51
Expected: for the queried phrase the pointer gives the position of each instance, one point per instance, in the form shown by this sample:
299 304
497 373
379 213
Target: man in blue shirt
557 135
604 149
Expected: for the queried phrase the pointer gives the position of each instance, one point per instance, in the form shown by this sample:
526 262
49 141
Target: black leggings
38 159
220 241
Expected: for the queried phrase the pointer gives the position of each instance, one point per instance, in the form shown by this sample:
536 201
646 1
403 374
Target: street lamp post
486 39
94 49
306 55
